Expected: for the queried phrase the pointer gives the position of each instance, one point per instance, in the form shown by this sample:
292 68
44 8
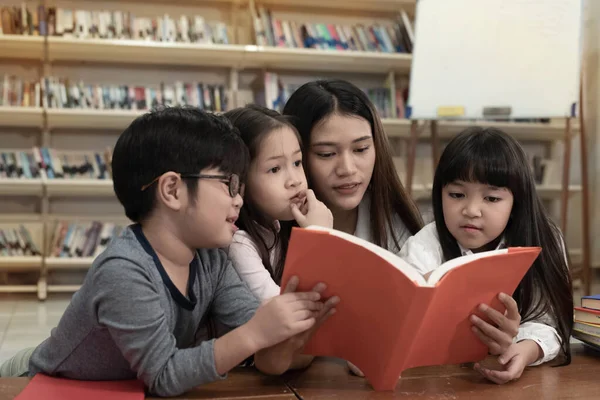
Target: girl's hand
514 361
316 212
500 337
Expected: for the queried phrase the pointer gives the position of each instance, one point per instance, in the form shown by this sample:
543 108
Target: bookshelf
238 65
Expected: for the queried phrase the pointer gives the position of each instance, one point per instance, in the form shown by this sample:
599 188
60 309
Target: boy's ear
170 190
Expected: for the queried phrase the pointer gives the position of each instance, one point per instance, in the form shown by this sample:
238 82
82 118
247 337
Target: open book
390 318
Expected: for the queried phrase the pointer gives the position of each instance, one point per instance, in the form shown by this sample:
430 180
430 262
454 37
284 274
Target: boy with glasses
178 173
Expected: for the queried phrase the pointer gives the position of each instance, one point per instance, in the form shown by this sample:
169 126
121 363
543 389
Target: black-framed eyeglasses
233 182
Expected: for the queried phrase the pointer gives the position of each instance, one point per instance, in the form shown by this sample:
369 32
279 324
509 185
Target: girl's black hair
490 156
314 101
253 123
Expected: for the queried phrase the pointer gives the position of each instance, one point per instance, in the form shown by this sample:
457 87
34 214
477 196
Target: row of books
78 239
390 38
274 94
103 24
52 164
63 93
17 242
586 326
18 92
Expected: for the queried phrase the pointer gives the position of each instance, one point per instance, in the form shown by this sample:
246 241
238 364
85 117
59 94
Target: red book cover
50 388
390 318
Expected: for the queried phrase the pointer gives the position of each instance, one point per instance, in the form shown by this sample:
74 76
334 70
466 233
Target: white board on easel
476 55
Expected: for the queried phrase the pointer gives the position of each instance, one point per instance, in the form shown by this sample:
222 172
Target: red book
587 315
390 318
50 388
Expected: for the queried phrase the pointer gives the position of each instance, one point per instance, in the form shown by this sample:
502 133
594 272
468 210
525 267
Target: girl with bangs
484 198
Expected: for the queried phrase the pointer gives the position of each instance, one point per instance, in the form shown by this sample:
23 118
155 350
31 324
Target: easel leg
564 203
585 223
412 153
435 144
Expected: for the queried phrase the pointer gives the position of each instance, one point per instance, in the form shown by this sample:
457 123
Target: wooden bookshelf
79 187
66 263
22 47
144 52
21 263
328 60
533 131
23 117
21 187
91 119
388 6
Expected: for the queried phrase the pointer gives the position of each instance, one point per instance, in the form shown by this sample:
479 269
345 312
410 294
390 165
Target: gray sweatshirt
129 320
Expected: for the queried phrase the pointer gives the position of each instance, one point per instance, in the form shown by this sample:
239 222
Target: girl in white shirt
484 197
276 198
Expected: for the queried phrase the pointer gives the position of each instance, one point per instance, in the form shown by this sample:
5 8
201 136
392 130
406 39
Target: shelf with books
328 60
144 52
541 131
21 47
23 117
20 245
347 5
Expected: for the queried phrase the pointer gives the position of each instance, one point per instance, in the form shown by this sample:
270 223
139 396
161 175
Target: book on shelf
115 25
19 164
81 239
394 37
407 320
18 92
22 20
17 241
47 163
63 93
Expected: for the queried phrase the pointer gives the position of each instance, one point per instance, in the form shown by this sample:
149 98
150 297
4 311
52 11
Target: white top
246 259
424 252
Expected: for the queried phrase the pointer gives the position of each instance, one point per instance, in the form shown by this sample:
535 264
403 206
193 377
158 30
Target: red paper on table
50 388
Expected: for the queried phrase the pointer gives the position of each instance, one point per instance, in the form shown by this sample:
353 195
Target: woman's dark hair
254 123
310 104
490 156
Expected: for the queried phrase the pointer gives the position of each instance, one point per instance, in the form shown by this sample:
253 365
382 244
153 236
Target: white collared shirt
424 252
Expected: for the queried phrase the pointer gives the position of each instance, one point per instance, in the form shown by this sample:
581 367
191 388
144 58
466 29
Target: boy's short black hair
179 139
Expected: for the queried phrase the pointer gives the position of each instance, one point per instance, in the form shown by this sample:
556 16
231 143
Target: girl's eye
362 149
456 195
493 199
325 155
298 163
274 170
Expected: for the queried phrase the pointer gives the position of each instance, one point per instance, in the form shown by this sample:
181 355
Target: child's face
211 220
476 214
341 160
276 177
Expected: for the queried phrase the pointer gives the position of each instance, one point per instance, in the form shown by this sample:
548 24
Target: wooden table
330 379
242 383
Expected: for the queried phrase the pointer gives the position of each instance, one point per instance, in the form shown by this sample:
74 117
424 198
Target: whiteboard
471 54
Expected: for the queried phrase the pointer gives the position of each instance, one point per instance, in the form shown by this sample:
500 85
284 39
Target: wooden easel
584 271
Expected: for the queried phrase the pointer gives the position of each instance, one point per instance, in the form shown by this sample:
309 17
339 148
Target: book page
408 270
443 269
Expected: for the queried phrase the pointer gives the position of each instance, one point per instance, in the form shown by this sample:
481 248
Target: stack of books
17 242
82 239
587 322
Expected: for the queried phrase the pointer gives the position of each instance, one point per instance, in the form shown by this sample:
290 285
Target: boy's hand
500 337
514 361
313 212
284 316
